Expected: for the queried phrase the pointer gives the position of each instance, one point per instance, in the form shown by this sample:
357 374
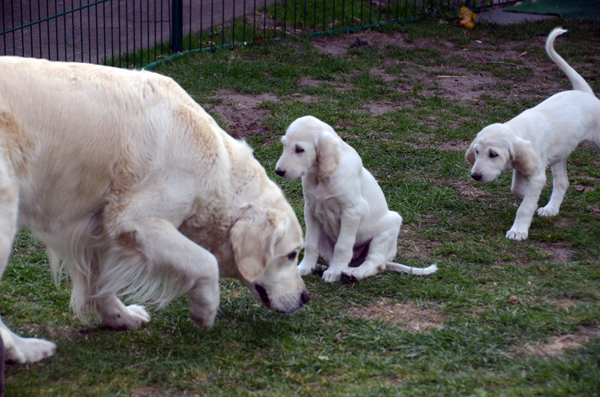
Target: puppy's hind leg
560 184
382 247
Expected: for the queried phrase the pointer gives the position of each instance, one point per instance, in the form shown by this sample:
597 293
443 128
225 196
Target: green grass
481 345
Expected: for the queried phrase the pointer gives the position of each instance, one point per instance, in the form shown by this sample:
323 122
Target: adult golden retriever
136 190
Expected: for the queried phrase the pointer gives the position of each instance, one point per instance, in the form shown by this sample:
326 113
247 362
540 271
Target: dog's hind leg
560 184
383 247
518 185
115 314
17 349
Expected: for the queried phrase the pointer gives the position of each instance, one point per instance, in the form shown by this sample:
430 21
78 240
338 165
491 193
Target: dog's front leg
520 228
311 242
174 265
342 252
560 184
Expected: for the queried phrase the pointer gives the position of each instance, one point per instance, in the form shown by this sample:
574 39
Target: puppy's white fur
536 139
136 190
347 218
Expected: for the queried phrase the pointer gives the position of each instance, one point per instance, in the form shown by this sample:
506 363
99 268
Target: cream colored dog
347 219
136 190
536 139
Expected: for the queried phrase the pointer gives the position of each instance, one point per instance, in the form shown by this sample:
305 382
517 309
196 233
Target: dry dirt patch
470 192
559 254
241 113
559 344
407 315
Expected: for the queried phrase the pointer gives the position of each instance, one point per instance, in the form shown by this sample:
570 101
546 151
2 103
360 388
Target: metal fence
134 33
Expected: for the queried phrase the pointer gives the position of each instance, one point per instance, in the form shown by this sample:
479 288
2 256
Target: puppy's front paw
332 275
547 211
516 235
305 268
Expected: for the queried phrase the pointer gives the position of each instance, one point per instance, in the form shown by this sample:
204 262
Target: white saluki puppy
347 218
136 190
536 139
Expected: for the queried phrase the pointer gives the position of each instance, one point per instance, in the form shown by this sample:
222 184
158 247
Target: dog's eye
292 255
299 149
493 154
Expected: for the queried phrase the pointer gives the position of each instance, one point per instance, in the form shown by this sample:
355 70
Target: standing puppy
347 218
538 138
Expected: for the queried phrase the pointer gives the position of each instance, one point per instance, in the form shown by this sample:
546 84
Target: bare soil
407 315
243 117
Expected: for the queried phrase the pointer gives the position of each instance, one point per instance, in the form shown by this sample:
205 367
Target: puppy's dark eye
476 151
292 255
493 154
299 149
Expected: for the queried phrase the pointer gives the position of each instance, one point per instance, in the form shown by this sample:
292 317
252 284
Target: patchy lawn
499 318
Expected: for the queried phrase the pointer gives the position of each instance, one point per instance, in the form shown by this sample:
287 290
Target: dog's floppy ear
328 154
470 154
523 157
253 239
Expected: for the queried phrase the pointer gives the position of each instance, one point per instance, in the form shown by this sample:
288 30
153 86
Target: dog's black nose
280 172
305 297
477 177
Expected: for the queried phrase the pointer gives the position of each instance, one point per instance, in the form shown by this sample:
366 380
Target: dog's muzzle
290 305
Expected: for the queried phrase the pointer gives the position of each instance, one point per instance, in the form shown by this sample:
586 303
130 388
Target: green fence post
177 25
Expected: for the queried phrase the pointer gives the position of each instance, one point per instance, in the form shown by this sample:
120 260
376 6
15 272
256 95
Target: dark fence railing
134 33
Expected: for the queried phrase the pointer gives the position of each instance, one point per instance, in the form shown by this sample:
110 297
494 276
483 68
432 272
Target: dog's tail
579 84
398 268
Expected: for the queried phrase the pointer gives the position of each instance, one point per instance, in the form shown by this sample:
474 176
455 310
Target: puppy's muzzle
280 172
476 176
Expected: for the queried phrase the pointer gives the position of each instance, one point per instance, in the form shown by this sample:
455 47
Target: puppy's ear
328 155
523 157
253 239
470 154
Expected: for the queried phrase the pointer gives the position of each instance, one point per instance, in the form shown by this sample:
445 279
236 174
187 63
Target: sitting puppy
347 218
536 139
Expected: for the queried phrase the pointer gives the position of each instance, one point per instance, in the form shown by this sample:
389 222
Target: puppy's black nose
280 172
477 177
305 297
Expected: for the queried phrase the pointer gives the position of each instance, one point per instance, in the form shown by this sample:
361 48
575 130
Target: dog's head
266 242
497 147
309 147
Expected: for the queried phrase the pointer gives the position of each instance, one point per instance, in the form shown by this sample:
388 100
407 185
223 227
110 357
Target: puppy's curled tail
578 83
418 271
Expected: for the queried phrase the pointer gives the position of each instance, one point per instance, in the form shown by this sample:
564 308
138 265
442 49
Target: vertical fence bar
232 22
191 44
177 25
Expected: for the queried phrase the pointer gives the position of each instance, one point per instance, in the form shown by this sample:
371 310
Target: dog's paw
306 269
140 313
359 273
26 350
517 236
204 318
546 211
332 275
125 318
